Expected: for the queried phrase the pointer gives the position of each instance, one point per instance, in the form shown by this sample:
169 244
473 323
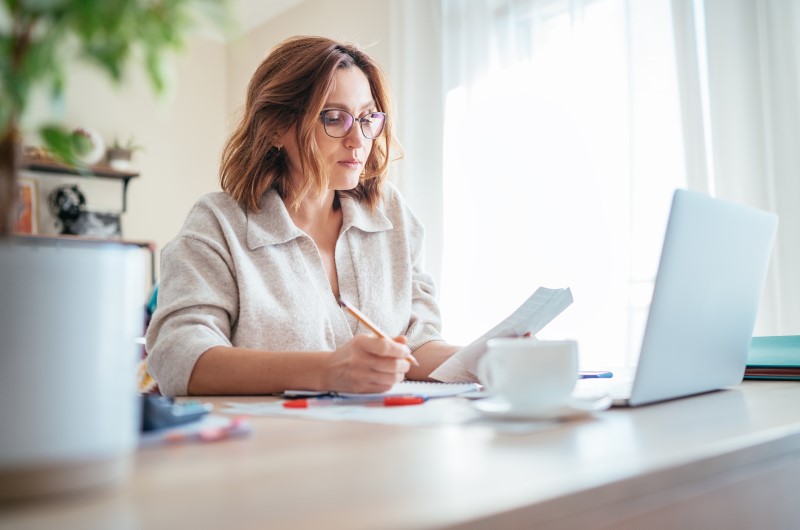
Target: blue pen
602 374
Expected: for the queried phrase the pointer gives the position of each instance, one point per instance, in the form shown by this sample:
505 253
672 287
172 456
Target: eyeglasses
337 123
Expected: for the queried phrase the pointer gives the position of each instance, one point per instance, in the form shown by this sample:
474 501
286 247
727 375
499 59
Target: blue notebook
774 357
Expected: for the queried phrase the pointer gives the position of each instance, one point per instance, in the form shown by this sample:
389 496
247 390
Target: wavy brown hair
290 88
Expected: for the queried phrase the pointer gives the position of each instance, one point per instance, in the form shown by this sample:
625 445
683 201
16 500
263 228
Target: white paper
403 388
435 412
533 315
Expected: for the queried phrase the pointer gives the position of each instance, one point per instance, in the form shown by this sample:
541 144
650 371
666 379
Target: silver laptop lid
710 277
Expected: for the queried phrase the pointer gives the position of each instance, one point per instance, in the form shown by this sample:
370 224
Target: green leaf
65 145
108 34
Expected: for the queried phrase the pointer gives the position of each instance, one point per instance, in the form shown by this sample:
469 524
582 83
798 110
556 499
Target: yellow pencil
361 317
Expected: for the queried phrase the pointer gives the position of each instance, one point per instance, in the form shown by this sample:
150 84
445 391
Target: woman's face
343 157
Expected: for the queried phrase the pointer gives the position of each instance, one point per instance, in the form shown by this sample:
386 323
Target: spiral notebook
417 388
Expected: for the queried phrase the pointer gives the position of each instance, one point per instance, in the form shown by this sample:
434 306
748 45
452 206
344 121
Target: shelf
98 171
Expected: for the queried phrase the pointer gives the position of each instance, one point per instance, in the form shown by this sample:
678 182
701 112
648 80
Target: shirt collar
272 225
362 217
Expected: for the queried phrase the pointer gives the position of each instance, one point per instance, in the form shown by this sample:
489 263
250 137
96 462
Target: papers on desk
209 428
432 413
417 388
533 315
452 410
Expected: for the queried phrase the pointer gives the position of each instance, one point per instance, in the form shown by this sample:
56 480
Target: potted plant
120 155
40 38
71 309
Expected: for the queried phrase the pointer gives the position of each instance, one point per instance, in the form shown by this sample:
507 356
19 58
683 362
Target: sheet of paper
533 315
417 388
432 413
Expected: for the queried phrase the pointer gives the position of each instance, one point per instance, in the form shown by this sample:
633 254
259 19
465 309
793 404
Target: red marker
381 401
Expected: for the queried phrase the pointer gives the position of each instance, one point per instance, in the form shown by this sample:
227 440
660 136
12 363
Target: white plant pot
70 312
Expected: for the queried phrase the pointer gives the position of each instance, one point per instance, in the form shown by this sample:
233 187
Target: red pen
383 401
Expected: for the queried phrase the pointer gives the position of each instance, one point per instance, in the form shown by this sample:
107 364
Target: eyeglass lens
338 123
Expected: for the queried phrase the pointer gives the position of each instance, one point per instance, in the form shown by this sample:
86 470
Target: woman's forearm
225 370
430 356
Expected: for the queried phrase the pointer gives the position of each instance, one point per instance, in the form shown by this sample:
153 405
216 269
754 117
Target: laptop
712 270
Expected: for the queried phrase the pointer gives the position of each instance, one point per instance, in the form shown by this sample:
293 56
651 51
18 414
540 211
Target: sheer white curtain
740 88
562 146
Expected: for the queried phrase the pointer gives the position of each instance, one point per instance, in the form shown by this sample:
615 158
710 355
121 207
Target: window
562 148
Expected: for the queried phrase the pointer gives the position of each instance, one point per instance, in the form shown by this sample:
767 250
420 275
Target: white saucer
495 407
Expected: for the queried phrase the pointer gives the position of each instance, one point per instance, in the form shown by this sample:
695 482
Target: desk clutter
408 403
417 404
166 421
160 412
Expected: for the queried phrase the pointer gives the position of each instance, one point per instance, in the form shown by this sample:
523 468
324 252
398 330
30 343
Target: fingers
383 347
387 358
380 382
369 364
391 366
403 340
387 363
371 378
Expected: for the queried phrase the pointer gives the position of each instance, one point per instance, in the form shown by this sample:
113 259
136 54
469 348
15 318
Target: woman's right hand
367 364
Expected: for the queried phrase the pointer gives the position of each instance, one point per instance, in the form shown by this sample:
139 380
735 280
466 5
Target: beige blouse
255 280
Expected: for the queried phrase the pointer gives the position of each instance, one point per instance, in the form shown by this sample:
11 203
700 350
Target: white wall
364 22
416 76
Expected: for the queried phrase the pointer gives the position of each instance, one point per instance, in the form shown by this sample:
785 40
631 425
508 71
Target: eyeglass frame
355 119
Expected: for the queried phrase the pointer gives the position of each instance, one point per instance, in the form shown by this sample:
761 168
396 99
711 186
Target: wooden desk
729 459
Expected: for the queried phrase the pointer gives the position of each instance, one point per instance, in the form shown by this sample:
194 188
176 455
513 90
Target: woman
249 288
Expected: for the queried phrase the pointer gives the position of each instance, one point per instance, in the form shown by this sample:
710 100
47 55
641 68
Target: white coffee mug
530 374
70 312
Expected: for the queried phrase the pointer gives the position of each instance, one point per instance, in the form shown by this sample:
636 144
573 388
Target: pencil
361 317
